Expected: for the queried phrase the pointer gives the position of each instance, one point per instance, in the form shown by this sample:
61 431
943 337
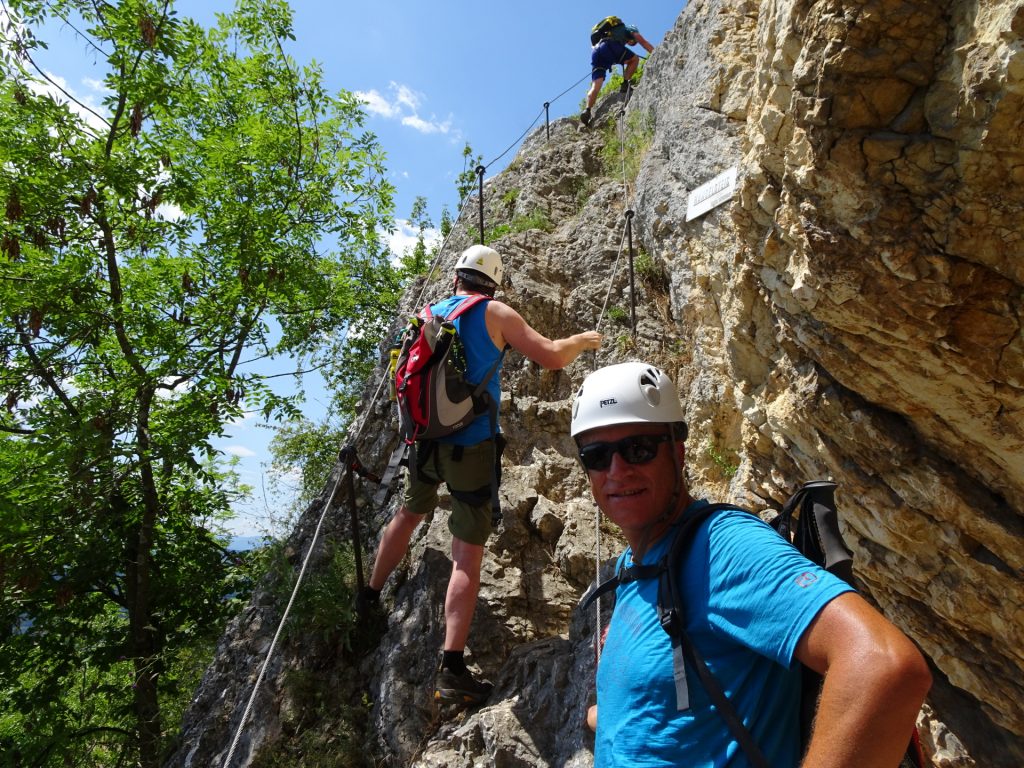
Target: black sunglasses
635 449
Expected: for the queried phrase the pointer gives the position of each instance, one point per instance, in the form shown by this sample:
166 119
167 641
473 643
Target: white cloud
172 394
292 476
84 105
239 450
406 96
95 85
403 238
170 212
241 419
426 126
403 103
377 104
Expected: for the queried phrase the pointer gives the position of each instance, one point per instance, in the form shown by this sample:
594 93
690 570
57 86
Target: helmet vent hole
649 387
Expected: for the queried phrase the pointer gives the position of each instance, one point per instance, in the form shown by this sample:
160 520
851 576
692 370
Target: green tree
446 222
467 181
417 259
219 209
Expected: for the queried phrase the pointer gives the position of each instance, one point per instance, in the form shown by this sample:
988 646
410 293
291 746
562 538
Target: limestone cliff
853 311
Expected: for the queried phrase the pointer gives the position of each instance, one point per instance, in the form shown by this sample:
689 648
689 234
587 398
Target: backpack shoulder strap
466 305
492 407
463 307
683 532
670 605
673 620
626 575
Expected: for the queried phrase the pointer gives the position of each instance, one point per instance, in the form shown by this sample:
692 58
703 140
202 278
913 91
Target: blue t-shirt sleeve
761 592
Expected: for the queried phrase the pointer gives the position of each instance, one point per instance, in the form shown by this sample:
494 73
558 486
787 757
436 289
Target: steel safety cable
597 512
280 626
622 152
597 580
521 137
440 251
611 281
552 101
524 133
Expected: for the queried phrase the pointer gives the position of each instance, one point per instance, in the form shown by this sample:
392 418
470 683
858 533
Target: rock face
853 311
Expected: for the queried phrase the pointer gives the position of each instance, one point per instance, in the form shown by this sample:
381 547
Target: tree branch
41 370
116 292
16 430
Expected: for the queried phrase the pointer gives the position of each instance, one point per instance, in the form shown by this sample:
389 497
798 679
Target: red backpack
434 398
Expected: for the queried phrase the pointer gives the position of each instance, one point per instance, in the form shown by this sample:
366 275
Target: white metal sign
711 193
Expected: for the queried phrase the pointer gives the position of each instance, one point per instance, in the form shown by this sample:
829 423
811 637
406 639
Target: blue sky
433 76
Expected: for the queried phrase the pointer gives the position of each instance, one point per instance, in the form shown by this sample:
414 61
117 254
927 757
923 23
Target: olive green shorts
468 479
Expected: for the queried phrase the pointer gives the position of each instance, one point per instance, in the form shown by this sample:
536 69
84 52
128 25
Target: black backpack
815 534
610 26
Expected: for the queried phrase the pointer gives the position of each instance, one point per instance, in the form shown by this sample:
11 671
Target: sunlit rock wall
853 311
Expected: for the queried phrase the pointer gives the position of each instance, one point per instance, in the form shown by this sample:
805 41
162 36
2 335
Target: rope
280 626
597 512
319 525
521 136
611 282
597 580
622 147
570 88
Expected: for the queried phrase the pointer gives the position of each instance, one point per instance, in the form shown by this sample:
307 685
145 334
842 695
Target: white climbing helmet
626 393
483 260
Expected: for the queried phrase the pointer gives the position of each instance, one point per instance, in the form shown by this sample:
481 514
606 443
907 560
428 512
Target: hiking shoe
585 116
367 603
372 621
626 85
461 689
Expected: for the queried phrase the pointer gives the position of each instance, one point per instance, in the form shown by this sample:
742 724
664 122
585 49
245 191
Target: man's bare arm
875 682
507 326
640 39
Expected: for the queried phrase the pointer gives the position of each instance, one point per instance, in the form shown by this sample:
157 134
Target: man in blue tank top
465 461
755 609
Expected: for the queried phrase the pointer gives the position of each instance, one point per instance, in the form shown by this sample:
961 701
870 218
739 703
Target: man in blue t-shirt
756 610
606 54
465 462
